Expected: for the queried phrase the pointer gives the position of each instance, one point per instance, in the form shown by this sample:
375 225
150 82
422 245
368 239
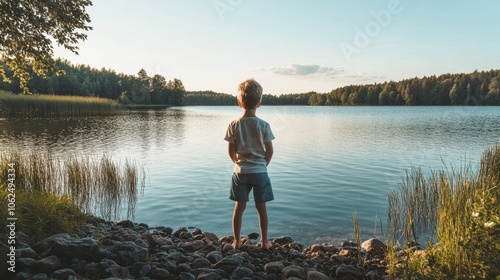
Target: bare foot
236 244
264 245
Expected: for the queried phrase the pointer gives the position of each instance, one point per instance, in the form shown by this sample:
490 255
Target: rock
329 248
26 253
168 230
202 263
22 237
47 243
183 267
142 269
161 240
373 246
25 263
21 276
127 253
179 231
214 256
315 275
95 269
49 264
209 276
253 236
293 271
211 237
230 260
192 246
274 267
159 273
117 272
198 271
317 248
39 276
125 223
348 271
241 272
83 248
63 274
283 240
185 276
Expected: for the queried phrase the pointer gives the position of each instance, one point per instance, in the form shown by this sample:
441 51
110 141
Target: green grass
457 212
55 195
54 105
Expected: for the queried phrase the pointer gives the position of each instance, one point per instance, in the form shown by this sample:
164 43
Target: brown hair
249 94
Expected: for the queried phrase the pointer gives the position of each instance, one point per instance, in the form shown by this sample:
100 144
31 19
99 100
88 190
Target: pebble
124 249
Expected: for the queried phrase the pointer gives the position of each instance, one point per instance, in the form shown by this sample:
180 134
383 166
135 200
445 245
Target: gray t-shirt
249 134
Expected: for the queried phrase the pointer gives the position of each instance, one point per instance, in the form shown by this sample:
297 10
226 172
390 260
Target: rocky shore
127 250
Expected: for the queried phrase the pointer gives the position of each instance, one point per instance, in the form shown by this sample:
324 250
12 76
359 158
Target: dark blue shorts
242 184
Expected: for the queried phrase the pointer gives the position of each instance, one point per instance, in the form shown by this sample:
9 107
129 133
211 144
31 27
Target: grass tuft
53 195
54 105
456 211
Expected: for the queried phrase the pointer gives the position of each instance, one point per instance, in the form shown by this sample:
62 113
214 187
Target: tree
27 28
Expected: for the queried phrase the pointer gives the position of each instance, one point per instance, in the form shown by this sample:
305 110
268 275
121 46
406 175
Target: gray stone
125 223
209 276
26 253
211 237
24 263
116 271
373 246
241 272
316 275
159 273
346 270
63 274
185 276
161 240
274 267
95 269
22 237
253 236
82 248
192 246
214 256
230 260
49 264
183 267
21 276
127 253
283 240
39 276
201 262
294 271
47 243
198 271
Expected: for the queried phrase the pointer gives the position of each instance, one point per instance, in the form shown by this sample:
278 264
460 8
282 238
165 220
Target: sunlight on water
328 162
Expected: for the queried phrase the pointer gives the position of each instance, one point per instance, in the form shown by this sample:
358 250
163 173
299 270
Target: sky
290 46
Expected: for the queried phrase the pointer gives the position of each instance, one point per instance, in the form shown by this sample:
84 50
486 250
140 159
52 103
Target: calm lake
328 161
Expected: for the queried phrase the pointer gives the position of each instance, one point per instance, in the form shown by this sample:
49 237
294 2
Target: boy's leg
263 223
239 208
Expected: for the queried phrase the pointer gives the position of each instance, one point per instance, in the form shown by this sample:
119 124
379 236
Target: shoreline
128 250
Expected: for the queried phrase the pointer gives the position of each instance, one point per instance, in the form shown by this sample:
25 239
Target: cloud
361 77
306 70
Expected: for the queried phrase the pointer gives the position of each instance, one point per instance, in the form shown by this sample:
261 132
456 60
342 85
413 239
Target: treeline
477 88
82 80
211 98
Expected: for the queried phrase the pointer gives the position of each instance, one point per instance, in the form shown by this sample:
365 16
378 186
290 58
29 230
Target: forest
476 88
82 80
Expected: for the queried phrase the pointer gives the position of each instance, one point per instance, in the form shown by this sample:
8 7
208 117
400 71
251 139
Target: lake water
328 161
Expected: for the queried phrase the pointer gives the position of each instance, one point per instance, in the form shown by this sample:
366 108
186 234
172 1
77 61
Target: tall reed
457 212
54 105
96 185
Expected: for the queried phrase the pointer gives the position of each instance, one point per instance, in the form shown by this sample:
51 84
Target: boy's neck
249 113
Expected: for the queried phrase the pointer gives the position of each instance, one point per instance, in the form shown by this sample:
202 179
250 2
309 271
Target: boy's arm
269 152
232 151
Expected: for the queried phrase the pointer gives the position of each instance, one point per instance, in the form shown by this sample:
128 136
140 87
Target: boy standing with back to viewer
251 150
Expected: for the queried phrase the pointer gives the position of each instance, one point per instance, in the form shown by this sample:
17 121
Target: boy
251 149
